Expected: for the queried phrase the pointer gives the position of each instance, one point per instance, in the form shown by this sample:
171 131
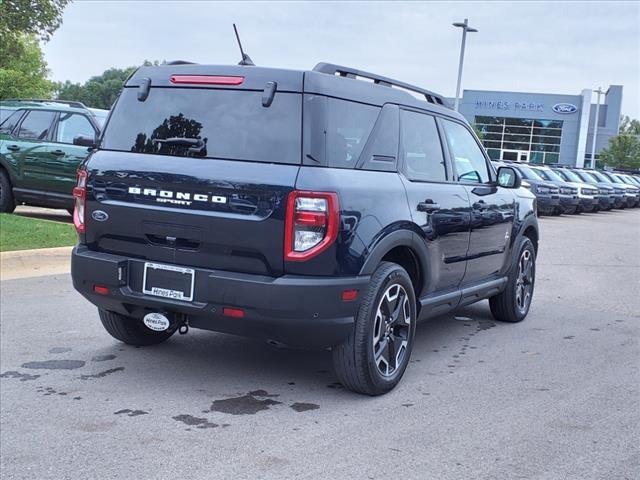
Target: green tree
99 91
629 125
24 76
31 17
23 71
623 152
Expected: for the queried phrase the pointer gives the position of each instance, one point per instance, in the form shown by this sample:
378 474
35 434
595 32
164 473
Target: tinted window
349 125
70 125
9 120
471 164
36 125
421 148
229 124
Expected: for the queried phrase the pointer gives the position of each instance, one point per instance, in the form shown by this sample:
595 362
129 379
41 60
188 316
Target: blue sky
553 47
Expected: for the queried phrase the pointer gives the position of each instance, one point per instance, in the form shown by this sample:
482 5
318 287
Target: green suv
42 143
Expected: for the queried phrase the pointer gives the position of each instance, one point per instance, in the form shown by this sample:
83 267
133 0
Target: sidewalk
34 263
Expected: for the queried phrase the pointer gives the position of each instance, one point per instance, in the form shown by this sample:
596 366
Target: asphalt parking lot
554 397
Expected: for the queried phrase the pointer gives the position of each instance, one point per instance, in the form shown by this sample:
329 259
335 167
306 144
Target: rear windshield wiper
180 141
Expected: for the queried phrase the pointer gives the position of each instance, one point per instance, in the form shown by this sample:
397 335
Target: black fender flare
398 238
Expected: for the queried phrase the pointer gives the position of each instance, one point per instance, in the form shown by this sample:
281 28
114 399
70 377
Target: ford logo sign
564 108
100 216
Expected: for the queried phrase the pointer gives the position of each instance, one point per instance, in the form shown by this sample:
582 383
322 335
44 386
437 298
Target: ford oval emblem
564 108
100 216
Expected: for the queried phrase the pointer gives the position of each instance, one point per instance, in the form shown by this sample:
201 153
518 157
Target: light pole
595 129
465 28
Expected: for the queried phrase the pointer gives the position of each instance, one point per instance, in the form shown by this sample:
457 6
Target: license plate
168 281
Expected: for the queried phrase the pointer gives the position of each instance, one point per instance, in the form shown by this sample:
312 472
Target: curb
35 263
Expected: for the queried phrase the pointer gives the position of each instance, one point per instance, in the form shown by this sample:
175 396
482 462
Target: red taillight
233 312
80 196
207 79
101 290
311 225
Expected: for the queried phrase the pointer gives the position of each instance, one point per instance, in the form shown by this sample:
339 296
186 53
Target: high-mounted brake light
80 197
312 224
207 79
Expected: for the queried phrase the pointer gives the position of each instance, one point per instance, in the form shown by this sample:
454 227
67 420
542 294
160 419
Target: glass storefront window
548 123
541 138
519 122
550 140
494 153
536 157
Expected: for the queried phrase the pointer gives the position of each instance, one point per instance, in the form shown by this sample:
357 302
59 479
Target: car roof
36 104
324 79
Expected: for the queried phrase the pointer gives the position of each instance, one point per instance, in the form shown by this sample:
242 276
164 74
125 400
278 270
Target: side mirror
509 177
84 141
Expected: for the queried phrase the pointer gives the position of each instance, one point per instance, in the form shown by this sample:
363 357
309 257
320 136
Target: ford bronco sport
329 208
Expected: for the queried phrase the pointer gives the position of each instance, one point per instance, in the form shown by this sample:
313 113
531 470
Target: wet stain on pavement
304 407
50 391
102 358
54 365
102 374
131 413
246 404
195 421
59 350
22 376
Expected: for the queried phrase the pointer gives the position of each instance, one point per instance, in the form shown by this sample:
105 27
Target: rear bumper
293 310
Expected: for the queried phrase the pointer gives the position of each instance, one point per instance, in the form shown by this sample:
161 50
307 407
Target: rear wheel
131 330
374 357
512 304
7 203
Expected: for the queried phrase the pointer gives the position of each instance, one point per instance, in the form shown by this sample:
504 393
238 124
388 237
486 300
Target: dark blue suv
327 208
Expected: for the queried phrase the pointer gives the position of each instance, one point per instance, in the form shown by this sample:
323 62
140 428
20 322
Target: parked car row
42 143
571 190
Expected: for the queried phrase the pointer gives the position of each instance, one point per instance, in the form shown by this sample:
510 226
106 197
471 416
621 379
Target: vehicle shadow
222 364
44 214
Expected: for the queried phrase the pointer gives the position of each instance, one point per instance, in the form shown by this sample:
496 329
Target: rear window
224 124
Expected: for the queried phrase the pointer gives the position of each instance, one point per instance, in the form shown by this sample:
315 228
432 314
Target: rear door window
210 123
36 125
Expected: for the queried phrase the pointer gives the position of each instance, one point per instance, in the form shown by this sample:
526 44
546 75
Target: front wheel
512 304
374 357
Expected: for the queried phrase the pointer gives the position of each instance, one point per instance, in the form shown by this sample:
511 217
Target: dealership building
541 127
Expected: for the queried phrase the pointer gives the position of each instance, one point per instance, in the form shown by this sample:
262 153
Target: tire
131 330
513 303
358 365
7 203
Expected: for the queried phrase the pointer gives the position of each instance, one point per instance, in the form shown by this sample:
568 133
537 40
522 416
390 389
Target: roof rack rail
331 69
71 103
178 62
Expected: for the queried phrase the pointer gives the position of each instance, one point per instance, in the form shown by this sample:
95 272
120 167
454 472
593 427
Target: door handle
13 148
58 153
428 206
